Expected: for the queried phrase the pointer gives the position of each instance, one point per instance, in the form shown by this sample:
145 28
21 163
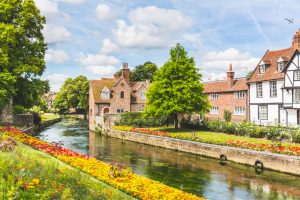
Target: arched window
122 94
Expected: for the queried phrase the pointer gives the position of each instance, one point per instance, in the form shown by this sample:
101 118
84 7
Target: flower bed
118 176
274 148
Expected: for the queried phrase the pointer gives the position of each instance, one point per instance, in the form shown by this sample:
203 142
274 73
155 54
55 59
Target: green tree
176 88
22 47
73 94
142 72
6 88
227 115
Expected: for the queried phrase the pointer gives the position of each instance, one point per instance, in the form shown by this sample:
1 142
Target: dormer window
262 69
280 66
105 94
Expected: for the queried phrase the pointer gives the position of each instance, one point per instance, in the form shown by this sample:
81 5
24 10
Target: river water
199 175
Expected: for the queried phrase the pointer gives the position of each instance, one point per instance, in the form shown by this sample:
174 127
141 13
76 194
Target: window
214 110
120 110
259 91
214 96
239 94
273 89
142 95
297 75
280 66
238 110
297 96
262 69
122 94
105 94
263 112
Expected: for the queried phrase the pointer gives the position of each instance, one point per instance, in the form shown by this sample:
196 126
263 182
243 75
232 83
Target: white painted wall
273 115
292 117
266 93
287 97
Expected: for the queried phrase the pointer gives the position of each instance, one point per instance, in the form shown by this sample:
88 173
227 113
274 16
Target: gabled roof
271 58
291 59
223 86
98 85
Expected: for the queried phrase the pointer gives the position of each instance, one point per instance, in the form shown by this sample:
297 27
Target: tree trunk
176 121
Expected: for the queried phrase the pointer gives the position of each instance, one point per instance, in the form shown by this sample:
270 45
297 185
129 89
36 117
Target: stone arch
105 110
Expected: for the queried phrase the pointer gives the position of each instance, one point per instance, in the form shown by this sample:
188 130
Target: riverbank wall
37 128
260 160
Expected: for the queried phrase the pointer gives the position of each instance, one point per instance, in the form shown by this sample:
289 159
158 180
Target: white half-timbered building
274 87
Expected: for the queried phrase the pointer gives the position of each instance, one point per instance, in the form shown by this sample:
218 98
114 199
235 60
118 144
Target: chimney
126 72
230 76
116 77
296 40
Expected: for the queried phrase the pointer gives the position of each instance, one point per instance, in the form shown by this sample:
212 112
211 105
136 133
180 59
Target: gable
293 63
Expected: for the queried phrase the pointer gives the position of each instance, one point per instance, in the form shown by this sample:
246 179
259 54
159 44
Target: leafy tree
6 88
248 75
73 94
176 88
142 72
227 115
22 47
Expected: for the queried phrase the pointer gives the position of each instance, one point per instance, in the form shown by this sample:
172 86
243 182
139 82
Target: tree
22 47
6 88
176 88
73 94
142 72
227 115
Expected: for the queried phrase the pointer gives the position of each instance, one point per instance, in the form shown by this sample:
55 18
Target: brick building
49 98
229 94
116 95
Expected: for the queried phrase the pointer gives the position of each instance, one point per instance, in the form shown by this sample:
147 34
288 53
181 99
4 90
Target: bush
137 119
36 118
227 115
18 109
296 136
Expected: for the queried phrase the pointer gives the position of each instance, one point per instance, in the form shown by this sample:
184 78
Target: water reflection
200 175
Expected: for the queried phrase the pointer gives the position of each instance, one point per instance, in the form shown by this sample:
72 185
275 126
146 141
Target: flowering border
116 176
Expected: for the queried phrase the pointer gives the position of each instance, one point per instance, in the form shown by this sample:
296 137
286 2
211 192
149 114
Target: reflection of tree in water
179 177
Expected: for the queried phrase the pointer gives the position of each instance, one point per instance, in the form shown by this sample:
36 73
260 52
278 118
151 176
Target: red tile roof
98 85
223 86
271 58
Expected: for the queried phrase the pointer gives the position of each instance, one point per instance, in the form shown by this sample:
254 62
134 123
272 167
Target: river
205 177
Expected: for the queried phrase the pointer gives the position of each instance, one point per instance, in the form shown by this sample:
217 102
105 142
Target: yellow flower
35 181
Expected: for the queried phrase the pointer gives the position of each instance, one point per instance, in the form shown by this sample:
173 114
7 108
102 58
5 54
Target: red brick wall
226 101
117 101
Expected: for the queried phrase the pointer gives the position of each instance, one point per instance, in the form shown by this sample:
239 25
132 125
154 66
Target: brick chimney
230 76
296 40
116 77
126 72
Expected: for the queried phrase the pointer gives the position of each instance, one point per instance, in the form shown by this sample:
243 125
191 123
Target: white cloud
102 70
56 34
56 56
220 60
72 1
108 46
214 76
47 7
104 12
99 64
151 27
56 80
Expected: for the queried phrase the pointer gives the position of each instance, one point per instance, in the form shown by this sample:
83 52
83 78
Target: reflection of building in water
92 143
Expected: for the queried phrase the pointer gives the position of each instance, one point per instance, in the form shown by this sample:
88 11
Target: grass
29 174
219 138
49 116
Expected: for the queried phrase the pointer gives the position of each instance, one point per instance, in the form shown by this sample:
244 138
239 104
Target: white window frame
214 110
262 69
273 89
120 110
239 110
105 94
296 75
280 66
259 90
240 95
263 112
142 95
297 95
214 96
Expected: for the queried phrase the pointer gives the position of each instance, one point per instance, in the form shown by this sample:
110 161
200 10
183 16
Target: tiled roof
223 86
271 58
98 85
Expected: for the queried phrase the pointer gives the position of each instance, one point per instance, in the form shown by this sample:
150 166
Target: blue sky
93 37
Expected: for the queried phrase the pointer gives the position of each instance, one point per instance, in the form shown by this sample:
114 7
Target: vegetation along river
202 176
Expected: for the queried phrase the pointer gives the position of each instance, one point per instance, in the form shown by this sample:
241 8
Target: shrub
137 119
36 118
296 136
227 115
18 109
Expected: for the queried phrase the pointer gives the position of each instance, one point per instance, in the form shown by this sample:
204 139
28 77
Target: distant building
49 98
116 95
230 94
274 87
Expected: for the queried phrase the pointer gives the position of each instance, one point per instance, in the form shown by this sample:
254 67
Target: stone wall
282 163
23 120
6 113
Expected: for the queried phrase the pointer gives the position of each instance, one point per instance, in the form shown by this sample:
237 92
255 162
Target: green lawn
217 138
29 174
49 116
